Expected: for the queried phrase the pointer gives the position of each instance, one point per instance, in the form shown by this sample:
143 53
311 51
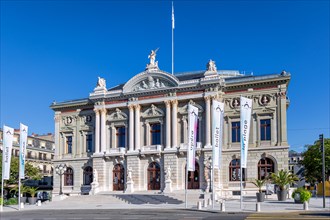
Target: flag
246 107
172 16
192 134
8 134
217 131
22 149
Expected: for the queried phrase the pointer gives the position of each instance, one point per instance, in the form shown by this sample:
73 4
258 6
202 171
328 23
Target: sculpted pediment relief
184 109
118 115
151 83
153 111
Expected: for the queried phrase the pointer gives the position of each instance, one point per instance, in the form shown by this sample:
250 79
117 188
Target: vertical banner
192 134
246 107
22 149
217 131
8 134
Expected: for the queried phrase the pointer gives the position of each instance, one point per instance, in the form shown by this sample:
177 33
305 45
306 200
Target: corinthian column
97 131
168 123
103 131
207 121
131 127
174 123
137 127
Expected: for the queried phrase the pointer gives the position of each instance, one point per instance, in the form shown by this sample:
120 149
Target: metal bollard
39 203
209 201
22 205
222 206
306 205
258 206
205 203
199 205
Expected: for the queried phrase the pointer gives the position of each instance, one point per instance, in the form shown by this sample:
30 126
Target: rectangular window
69 144
29 154
89 143
40 156
120 136
236 131
45 156
265 130
155 133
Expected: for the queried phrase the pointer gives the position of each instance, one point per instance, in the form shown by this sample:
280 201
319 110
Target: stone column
97 131
174 123
273 130
113 136
137 127
103 130
131 128
185 129
283 124
168 123
147 130
207 121
57 119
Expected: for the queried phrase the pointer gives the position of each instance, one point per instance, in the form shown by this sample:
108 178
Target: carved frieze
151 83
153 111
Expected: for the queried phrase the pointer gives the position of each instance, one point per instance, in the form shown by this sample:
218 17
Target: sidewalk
231 205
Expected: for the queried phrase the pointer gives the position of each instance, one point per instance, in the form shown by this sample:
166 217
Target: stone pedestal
168 186
95 188
129 187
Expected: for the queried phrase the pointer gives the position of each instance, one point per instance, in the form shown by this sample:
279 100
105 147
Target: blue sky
55 50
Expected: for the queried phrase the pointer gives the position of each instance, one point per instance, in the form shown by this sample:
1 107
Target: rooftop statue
211 66
101 83
152 56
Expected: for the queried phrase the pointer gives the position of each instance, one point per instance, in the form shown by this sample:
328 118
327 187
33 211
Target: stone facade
141 126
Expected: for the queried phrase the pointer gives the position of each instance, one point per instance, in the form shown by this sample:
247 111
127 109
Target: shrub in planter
260 194
283 178
33 192
11 201
301 195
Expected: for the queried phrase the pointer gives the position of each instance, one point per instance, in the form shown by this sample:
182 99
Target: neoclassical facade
133 137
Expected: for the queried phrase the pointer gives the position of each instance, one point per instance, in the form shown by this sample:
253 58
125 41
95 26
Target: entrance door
193 178
154 176
118 177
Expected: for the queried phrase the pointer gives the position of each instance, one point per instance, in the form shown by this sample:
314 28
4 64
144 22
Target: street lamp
60 169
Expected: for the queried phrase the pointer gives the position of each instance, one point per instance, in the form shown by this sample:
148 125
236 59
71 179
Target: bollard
306 205
205 203
258 206
199 205
209 201
22 205
222 206
39 203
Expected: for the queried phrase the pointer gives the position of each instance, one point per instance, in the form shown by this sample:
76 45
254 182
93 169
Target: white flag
172 16
22 149
246 107
8 134
217 131
192 134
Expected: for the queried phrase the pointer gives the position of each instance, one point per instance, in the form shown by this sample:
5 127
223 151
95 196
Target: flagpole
2 199
241 183
172 39
212 176
186 186
19 187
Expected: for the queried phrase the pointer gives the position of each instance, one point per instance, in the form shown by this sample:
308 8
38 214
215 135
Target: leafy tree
31 172
312 161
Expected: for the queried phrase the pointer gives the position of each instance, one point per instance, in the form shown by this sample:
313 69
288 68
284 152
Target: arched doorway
193 178
118 177
265 167
154 176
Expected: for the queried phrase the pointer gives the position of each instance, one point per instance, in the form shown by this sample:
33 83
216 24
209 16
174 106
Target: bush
11 201
305 195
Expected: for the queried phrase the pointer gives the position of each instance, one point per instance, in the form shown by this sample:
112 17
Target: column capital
167 103
174 102
57 118
103 110
137 107
130 107
207 98
97 111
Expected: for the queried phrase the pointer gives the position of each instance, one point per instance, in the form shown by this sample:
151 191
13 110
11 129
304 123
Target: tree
31 172
312 161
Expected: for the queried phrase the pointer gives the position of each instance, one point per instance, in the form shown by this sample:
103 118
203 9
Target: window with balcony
236 131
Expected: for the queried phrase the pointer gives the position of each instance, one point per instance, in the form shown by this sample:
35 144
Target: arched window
153 176
234 170
68 177
265 167
88 175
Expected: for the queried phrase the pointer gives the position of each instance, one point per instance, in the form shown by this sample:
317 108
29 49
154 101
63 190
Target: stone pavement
157 201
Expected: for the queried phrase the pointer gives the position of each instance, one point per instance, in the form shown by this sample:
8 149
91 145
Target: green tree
312 161
31 172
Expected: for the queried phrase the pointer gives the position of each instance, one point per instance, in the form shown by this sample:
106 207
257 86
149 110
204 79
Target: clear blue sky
54 50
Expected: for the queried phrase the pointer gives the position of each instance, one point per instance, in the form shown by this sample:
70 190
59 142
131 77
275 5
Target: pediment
150 80
118 115
184 109
153 111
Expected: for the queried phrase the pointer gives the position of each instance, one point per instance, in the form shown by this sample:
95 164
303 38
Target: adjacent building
133 137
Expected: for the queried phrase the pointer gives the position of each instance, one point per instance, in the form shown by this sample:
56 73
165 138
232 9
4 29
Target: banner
192 134
217 131
22 149
246 107
8 134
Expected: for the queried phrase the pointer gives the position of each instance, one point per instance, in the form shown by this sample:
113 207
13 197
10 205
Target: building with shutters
133 137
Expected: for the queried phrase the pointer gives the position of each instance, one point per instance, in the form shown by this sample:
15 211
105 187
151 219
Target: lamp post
60 169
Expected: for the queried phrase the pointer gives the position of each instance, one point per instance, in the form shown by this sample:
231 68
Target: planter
282 195
297 198
32 200
260 197
23 199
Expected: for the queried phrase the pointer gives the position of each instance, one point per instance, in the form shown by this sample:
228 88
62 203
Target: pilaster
174 123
